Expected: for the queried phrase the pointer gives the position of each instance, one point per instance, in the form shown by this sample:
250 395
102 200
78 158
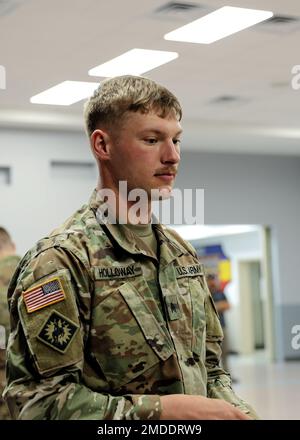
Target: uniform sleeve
219 382
50 312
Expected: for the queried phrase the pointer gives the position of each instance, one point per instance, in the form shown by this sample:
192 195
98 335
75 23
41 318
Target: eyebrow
158 132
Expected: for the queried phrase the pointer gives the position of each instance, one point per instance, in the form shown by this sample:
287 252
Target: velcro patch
189 271
173 307
113 272
58 332
43 295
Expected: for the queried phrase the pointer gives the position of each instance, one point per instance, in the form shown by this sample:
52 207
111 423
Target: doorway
256 301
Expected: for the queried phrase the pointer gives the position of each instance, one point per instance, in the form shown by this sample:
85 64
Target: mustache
170 170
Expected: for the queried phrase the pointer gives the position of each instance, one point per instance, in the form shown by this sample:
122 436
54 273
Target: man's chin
162 193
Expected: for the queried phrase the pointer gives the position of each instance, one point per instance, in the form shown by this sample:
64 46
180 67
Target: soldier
8 263
113 320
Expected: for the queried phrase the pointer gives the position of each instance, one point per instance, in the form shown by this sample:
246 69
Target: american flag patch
43 295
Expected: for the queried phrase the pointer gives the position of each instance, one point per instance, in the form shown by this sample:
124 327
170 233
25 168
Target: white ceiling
45 42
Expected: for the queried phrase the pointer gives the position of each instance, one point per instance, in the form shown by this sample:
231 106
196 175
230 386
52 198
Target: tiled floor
273 389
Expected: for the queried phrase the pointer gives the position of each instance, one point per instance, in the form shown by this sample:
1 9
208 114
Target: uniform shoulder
78 224
78 235
70 244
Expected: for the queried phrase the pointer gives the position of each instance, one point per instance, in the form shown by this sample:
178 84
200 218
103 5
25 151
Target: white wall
36 201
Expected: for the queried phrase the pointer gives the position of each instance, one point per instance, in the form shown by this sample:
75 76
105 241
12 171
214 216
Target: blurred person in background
8 263
222 304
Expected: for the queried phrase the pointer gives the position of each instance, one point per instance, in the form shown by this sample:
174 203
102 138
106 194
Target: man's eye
176 141
151 140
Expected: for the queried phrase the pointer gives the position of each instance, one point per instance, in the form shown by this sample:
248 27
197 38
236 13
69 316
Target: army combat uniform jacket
96 336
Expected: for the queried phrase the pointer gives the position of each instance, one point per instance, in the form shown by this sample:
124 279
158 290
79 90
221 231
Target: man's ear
100 143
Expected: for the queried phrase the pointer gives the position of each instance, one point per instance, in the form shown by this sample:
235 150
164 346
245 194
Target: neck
126 211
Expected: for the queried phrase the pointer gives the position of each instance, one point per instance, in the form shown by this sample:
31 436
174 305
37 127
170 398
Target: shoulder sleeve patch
53 332
43 295
57 332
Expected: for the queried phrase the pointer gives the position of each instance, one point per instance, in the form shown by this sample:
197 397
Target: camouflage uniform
7 268
118 336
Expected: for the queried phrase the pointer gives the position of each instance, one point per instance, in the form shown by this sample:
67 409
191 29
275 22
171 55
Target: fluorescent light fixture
195 232
219 24
65 93
133 62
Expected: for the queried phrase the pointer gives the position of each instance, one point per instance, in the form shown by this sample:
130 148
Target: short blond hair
117 96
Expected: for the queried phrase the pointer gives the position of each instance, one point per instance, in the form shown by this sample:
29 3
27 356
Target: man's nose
170 152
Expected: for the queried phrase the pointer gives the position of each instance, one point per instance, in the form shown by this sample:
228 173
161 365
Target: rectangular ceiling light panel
217 25
133 62
65 93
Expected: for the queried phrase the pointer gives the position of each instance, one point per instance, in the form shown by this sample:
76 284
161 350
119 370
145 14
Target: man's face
146 152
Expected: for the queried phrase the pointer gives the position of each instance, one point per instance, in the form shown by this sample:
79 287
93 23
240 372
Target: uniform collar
127 240
170 249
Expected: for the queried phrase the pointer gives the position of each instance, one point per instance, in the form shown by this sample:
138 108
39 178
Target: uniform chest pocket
126 338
